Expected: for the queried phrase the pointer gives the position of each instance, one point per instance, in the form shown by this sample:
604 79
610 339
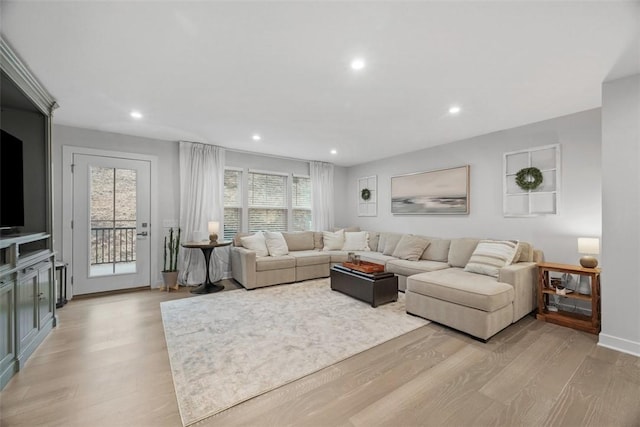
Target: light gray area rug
228 347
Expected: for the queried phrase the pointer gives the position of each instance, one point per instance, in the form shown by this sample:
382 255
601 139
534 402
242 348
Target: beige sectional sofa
435 282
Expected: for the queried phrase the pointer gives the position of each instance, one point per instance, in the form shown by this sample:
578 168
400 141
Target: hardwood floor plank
410 397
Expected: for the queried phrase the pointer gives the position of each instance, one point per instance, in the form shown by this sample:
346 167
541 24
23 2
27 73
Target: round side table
207 248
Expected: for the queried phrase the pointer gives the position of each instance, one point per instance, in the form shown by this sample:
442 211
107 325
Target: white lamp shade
588 245
214 227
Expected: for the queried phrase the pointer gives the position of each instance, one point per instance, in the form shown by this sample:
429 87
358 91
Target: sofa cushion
317 240
275 243
490 256
410 247
339 256
407 268
388 242
526 254
460 251
256 243
438 250
268 263
374 237
376 257
356 241
304 258
333 241
350 229
460 287
299 241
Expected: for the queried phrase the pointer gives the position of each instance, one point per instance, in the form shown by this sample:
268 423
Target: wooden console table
565 318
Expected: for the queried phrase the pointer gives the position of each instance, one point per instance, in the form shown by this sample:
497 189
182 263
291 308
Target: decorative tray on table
365 267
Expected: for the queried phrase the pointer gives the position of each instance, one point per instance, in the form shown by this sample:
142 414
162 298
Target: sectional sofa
434 273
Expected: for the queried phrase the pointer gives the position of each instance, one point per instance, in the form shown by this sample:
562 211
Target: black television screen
11 182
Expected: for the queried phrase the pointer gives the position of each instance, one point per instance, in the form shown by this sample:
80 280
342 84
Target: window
257 201
267 202
301 203
232 202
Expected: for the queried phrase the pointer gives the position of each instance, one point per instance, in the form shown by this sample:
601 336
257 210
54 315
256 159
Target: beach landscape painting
439 192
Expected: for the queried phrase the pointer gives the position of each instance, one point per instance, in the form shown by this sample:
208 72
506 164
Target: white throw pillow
356 241
333 241
256 243
491 255
276 244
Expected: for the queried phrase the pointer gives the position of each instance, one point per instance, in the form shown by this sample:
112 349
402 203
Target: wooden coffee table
374 288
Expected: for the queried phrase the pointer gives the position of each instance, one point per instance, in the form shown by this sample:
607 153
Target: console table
565 318
207 248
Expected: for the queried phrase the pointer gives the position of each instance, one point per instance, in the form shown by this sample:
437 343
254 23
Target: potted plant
170 272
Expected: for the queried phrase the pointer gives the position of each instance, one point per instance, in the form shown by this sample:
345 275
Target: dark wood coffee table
374 288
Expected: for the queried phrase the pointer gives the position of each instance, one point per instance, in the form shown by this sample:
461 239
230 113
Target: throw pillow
275 243
490 256
256 243
410 247
333 241
356 241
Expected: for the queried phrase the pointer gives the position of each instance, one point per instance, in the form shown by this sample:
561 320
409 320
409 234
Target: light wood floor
106 364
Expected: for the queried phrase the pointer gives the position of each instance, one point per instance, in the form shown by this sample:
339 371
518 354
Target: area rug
228 347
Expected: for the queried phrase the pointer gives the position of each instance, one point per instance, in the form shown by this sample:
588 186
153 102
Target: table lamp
214 227
589 247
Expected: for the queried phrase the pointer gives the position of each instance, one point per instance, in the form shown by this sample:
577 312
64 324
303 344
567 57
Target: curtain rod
258 154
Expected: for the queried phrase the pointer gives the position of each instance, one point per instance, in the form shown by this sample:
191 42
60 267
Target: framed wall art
368 196
439 192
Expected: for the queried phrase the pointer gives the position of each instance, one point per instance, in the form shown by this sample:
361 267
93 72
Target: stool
61 269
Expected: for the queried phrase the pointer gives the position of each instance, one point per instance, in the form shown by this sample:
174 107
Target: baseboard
8 373
619 344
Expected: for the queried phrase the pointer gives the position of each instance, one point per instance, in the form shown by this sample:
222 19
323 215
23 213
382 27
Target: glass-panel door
111 223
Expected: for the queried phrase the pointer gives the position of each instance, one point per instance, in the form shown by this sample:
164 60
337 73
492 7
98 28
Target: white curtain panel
201 201
322 188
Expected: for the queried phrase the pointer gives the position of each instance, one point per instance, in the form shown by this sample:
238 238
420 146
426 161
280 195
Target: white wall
168 186
580 200
620 214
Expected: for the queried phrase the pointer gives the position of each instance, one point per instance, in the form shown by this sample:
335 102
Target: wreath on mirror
365 194
529 178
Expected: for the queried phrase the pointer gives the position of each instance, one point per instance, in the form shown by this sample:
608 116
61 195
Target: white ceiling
217 72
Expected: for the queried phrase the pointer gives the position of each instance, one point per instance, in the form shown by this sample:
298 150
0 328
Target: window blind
267 202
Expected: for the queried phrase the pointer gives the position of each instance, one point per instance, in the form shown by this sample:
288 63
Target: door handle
144 233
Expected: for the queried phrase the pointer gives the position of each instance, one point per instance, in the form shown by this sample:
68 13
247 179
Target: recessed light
455 109
136 114
256 137
358 64
334 151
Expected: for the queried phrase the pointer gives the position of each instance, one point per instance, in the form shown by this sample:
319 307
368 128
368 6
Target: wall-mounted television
11 181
